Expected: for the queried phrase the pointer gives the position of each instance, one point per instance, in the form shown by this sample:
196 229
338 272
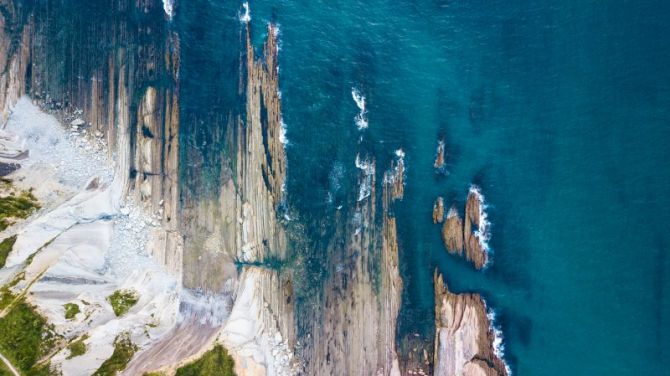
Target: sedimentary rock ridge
464 337
355 332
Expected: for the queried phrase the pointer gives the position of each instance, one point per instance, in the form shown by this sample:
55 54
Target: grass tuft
14 206
71 310
25 337
216 361
77 347
124 350
122 301
6 247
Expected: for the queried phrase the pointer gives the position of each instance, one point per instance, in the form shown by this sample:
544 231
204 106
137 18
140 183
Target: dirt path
9 365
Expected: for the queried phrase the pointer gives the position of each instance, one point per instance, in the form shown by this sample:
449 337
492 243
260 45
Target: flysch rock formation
467 236
355 332
117 100
465 339
260 330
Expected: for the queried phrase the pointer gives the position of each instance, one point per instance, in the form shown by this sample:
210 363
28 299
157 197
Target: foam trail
168 7
360 119
282 133
368 170
498 345
246 15
482 233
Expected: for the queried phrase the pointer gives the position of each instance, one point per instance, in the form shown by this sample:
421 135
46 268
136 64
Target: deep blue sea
558 110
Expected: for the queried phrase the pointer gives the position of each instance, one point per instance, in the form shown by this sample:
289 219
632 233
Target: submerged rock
440 163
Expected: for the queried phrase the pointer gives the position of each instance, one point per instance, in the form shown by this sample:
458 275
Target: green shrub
12 206
6 247
122 301
71 310
77 347
215 362
25 337
124 350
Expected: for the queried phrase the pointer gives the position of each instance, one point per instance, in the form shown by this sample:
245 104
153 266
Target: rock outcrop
467 237
438 210
475 229
464 337
440 162
452 232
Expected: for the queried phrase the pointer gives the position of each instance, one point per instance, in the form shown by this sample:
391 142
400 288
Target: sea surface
558 110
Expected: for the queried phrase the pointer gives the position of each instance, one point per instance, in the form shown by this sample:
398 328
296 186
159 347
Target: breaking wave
245 16
360 119
498 345
482 233
367 168
168 7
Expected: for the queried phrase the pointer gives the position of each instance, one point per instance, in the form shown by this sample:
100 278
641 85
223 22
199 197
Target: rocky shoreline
464 336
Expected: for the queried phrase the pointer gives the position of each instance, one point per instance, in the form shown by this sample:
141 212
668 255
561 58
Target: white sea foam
334 178
282 133
360 119
452 211
482 233
498 345
365 179
168 7
398 169
245 16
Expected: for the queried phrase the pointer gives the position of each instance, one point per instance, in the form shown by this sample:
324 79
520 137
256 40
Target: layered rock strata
355 333
464 337
126 95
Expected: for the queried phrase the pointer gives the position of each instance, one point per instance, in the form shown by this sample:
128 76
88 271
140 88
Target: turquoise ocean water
560 111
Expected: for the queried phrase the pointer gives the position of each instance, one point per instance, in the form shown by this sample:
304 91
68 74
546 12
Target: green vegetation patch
71 310
77 347
6 294
122 301
14 206
216 361
6 247
25 338
124 350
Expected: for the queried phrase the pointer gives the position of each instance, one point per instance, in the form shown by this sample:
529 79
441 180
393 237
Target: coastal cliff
464 337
